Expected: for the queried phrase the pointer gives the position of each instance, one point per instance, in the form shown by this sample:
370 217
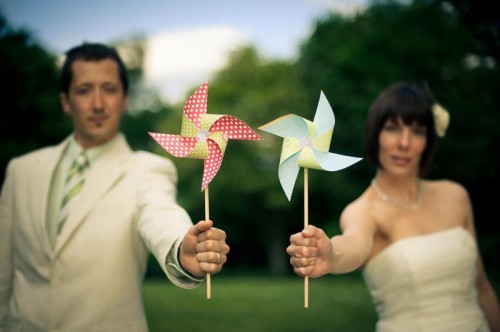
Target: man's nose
97 101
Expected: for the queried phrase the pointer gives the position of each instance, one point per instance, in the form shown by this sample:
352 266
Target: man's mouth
98 120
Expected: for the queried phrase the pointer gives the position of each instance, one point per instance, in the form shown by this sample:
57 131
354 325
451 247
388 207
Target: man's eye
82 91
110 89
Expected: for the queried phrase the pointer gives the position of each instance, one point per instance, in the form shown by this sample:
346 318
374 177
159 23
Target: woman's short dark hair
411 102
91 52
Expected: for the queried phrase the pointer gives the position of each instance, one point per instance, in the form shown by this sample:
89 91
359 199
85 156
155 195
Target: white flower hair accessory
441 119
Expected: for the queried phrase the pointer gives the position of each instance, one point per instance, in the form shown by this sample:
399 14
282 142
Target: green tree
481 19
29 94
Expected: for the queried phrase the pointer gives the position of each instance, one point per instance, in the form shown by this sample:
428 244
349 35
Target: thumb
200 227
191 237
310 231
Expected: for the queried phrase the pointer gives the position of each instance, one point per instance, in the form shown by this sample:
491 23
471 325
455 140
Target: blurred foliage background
453 46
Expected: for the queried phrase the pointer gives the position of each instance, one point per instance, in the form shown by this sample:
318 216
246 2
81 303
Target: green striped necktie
72 186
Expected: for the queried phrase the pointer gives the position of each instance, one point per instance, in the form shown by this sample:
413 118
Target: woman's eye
390 127
420 131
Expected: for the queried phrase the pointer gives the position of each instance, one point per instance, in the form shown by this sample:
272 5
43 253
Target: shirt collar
74 149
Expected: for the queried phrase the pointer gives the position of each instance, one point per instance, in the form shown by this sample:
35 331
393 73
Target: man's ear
125 104
63 98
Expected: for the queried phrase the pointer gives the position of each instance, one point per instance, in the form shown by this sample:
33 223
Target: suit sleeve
162 221
6 254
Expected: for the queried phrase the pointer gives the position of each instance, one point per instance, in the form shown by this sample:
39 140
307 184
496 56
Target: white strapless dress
427 283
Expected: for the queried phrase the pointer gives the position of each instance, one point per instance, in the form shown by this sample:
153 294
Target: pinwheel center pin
306 141
203 135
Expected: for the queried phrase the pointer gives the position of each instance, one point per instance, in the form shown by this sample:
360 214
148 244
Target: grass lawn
260 303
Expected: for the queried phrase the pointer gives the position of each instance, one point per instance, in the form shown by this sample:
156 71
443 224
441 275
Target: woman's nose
405 138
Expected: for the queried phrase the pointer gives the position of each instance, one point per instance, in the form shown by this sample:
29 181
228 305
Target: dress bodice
427 283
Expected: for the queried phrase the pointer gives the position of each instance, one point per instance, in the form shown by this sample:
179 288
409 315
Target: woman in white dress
414 239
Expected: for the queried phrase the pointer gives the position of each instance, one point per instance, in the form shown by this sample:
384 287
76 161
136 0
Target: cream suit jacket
91 280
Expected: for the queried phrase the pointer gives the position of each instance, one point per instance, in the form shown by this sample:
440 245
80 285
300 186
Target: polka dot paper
204 136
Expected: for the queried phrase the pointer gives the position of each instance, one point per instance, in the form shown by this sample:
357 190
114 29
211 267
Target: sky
187 40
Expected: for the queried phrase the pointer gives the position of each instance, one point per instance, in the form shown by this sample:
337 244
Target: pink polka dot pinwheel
204 136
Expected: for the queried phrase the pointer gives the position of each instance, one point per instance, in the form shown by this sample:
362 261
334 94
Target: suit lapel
40 182
102 177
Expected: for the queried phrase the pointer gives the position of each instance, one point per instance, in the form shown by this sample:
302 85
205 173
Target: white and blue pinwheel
306 144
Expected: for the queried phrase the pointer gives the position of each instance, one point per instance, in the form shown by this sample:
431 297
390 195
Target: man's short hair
91 52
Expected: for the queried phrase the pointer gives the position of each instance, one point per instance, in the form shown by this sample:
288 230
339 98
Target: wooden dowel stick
207 217
306 222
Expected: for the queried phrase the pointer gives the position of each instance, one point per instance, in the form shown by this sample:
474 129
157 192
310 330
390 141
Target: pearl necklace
386 198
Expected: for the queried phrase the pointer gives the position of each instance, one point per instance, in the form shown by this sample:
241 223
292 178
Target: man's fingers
299 240
212 245
213 257
205 231
212 233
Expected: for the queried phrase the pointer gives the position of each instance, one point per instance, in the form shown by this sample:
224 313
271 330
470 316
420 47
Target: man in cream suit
82 270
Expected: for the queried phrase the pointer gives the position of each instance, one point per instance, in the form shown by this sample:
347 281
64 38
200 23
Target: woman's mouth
400 161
